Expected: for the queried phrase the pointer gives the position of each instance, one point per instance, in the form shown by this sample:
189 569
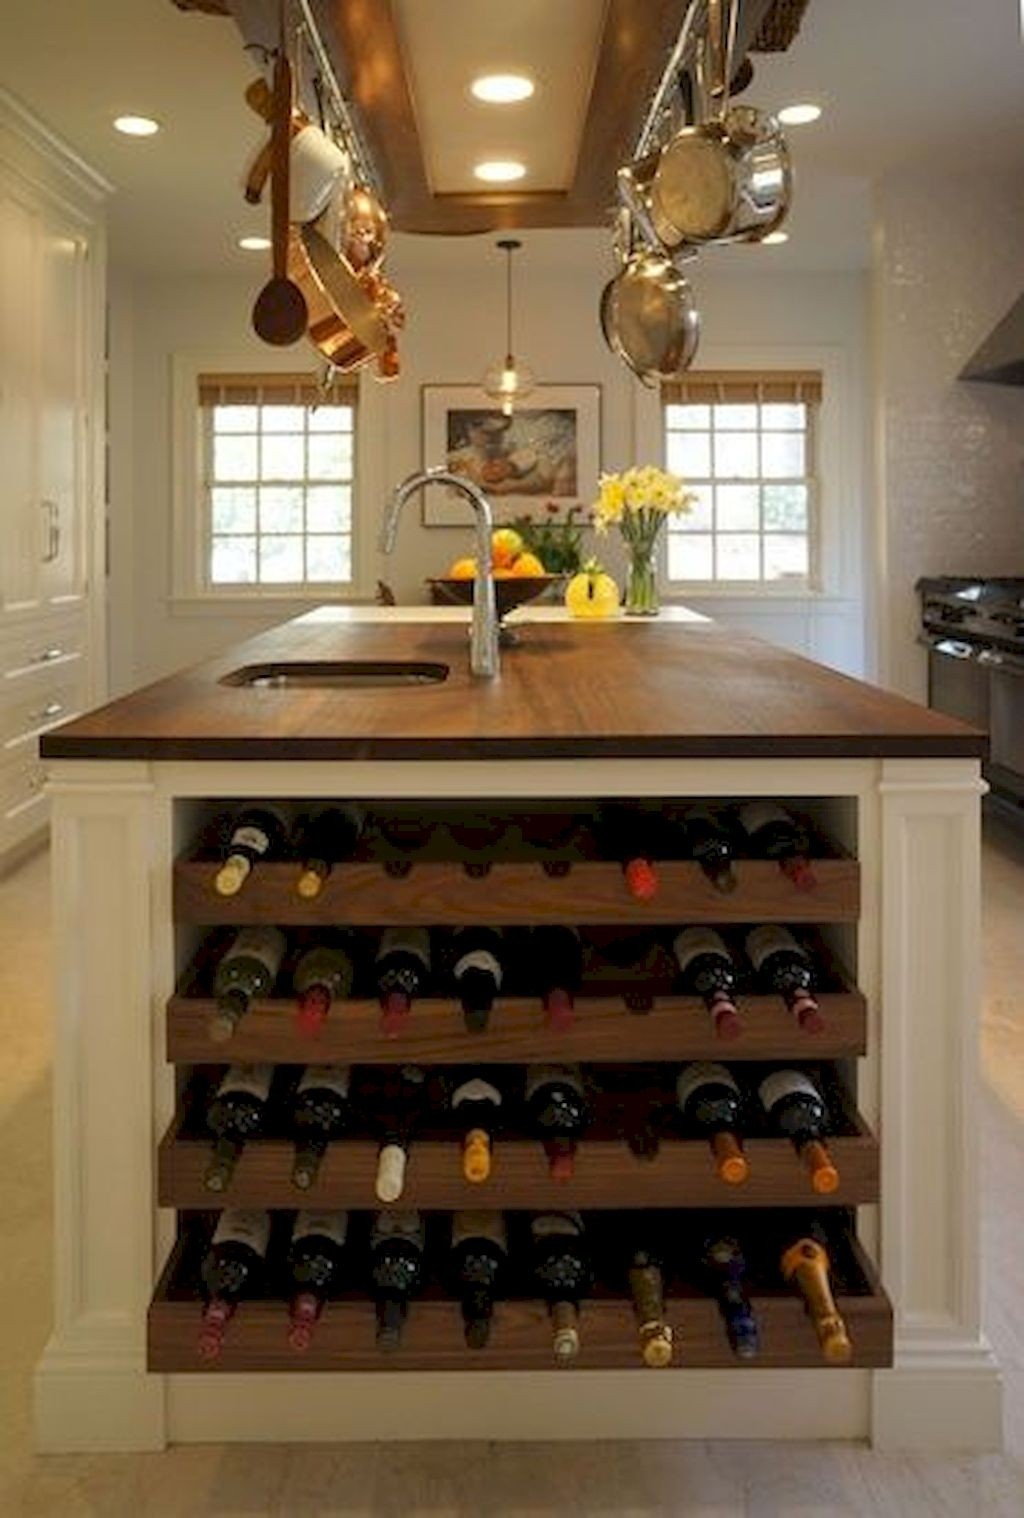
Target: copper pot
345 326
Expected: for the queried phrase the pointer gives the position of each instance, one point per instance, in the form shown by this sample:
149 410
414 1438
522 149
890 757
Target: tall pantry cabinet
52 454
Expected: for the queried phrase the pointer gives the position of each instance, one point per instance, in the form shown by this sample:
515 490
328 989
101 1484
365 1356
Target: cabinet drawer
34 647
22 803
29 707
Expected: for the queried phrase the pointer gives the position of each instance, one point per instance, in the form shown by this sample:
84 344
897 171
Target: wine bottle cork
731 1164
476 1155
656 1345
232 875
641 879
390 1173
566 1338
310 883
824 1175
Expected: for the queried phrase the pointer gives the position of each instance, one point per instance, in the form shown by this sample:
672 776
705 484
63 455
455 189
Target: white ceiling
903 82
556 45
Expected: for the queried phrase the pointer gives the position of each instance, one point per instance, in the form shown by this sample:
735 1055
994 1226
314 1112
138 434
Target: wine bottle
708 970
258 832
248 969
479 1258
556 1110
235 1114
403 971
403 1100
320 1113
774 833
325 838
476 1108
477 973
561 1272
477 832
556 952
707 840
647 1288
783 966
232 1269
316 1258
324 973
397 1248
634 837
796 1109
725 1270
711 1105
805 1263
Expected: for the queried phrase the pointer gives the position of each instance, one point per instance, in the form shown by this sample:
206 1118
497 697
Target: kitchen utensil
280 313
648 314
726 178
319 168
345 325
365 228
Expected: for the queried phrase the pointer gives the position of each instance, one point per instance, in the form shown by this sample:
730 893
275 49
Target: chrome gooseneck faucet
483 647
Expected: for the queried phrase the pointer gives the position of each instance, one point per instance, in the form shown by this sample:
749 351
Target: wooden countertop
675 687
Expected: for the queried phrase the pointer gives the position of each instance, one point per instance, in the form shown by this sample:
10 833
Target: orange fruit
463 569
528 566
504 572
506 545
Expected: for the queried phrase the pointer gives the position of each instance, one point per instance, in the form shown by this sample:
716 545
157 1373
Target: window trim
813 582
842 525
189 581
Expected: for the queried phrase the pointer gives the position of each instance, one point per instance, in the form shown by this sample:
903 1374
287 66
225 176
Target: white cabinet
52 294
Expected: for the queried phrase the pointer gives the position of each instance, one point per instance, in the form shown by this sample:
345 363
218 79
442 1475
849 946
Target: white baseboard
96 1402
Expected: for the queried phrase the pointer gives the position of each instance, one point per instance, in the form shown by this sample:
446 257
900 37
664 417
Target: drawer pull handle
48 655
51 709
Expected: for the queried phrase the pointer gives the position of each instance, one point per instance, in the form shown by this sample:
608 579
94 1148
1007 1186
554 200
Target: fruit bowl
509 592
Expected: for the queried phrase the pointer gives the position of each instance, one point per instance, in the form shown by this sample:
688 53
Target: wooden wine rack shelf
443 893
520 1334
604 1029
608 1174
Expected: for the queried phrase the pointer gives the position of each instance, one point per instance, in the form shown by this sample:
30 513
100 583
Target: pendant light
508 382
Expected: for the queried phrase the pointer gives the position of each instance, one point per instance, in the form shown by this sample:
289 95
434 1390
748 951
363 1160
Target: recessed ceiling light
502 89
136 126
773 238
799 115
254 244
500 170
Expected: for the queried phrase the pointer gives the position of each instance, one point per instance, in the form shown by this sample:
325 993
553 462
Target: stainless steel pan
648 314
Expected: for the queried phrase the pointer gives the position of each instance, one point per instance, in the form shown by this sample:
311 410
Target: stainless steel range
974 633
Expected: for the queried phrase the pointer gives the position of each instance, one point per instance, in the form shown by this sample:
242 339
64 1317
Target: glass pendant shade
508 381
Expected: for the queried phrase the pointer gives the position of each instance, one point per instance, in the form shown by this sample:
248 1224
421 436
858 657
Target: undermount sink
335 674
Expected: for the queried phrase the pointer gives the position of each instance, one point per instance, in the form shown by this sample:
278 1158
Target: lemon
528 567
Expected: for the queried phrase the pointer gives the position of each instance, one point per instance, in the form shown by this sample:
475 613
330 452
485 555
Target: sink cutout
335 674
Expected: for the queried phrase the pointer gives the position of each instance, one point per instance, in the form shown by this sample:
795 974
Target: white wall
949 263
454 292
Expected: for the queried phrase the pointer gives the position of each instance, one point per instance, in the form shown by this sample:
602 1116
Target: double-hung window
277 462
746 444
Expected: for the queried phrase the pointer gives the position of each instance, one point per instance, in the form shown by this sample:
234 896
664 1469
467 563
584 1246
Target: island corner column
944 1390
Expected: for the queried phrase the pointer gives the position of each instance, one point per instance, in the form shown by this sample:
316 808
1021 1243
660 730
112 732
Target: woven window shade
744 386
274 390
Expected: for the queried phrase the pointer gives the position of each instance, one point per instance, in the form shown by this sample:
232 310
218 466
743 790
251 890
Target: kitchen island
678 708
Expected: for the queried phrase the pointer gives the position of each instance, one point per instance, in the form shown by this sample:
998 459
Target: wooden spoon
280 315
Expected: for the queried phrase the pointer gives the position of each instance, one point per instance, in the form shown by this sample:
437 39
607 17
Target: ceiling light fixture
799 115
499 170
254 244
502 89
508 382
774 238
136 126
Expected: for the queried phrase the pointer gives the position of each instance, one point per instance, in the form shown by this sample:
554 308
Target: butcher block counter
586 722
678 687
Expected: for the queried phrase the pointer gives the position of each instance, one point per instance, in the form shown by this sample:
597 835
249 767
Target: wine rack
622 1018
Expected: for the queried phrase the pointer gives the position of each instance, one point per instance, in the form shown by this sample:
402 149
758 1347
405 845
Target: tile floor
607 1480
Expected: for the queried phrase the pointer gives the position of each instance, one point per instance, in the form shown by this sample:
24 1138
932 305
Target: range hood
1000 359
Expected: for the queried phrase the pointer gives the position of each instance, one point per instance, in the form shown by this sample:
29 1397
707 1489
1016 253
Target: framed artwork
549 449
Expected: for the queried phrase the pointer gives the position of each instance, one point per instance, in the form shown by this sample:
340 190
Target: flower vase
642 581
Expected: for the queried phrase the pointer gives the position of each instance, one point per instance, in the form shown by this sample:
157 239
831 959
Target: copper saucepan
349 323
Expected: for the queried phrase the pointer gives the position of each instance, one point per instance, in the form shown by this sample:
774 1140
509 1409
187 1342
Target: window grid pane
278 494
751 465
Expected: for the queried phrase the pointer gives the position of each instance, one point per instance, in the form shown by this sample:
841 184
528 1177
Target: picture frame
549 449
